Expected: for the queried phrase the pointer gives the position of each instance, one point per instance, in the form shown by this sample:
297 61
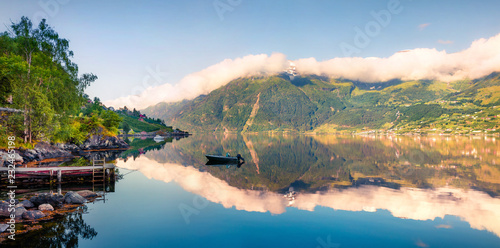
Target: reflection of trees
140 146
60 232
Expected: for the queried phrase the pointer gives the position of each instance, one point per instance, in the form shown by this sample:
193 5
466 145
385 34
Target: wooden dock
99 171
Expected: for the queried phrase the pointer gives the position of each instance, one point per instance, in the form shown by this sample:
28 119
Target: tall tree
43 79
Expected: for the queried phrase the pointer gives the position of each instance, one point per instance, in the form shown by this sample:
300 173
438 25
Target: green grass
139 126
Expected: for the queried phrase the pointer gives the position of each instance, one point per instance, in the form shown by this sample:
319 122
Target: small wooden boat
224 159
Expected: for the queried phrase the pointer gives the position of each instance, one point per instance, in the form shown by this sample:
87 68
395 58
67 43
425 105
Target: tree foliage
37 72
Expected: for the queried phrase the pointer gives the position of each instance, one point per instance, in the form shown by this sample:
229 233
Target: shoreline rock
73 198
45 150
31 213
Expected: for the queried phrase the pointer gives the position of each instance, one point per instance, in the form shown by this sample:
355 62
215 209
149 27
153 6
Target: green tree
35 67
111 120
126 128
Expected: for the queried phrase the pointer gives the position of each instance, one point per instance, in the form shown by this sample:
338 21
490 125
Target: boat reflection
227 164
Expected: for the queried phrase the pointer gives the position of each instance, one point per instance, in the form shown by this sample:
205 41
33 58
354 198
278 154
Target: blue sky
131 45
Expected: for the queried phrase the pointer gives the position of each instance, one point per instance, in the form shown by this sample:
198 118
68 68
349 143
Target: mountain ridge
312 103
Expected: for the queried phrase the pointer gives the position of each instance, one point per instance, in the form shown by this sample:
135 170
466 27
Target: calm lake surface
296 191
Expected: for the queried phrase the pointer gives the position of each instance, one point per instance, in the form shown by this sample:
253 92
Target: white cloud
205 81
480 59
423 26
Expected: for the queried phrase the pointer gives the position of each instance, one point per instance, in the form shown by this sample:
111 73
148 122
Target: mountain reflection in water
420 178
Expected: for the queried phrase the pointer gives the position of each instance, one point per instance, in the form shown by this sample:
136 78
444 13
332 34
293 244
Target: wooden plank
55 168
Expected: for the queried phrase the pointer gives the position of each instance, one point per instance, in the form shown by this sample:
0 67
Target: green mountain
320 104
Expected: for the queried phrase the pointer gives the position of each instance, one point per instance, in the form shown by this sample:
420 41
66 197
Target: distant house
143 133
140 119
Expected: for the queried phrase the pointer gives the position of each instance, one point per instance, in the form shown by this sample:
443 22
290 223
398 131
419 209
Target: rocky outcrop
45 150
99 142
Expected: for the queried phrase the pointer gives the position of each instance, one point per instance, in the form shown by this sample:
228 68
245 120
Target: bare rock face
73 198
46 207
45 150
100 142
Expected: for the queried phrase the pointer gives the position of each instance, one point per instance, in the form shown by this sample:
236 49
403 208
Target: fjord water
350 191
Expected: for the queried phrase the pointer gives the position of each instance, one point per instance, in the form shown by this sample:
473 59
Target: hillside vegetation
320 104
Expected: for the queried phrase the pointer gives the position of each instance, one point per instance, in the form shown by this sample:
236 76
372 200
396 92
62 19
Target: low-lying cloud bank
480 59
205 81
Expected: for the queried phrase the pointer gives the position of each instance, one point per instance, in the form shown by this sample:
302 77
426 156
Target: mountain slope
315 103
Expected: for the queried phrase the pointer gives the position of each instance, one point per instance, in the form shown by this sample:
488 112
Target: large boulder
53 199
3 227
46 207
33 215
19 212
27 204
73 198
87 194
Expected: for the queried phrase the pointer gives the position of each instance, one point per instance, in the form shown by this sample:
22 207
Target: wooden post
59 176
